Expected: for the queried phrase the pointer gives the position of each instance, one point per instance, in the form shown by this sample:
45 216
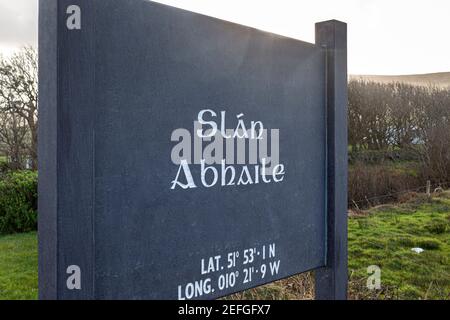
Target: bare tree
398 116
434 128
19 93
13 138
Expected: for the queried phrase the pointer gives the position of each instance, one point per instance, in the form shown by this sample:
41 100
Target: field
385 238
441 79
382 236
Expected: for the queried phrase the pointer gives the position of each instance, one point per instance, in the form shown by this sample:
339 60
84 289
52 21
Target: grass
18 266
384 236
381 236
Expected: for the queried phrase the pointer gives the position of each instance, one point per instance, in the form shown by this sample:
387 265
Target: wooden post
428 188
331 281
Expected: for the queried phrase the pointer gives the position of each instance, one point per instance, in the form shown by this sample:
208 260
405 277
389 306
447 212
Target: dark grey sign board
185 157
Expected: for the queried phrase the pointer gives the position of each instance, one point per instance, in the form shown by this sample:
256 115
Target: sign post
331 281
185 157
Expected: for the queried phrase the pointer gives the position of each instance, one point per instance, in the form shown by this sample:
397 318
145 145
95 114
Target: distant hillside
441 79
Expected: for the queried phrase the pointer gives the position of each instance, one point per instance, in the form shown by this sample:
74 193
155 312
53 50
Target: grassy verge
382 236
385 237
18 266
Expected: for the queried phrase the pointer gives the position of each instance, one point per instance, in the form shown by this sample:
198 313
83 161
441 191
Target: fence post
331 281
428 188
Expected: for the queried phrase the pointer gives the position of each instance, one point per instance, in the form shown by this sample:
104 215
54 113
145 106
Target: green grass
18 266
383 236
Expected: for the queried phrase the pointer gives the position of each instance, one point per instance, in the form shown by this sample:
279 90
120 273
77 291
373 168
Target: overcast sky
385 36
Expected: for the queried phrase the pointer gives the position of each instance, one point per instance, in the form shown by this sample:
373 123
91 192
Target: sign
184 157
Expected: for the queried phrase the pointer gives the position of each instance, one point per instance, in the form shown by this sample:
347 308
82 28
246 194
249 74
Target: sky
385 37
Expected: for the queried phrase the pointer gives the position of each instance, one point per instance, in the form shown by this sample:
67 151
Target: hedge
18 202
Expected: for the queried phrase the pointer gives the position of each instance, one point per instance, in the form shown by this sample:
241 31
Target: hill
441 79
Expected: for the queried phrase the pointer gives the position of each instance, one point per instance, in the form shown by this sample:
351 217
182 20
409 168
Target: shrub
18 202
370 185
4 167
381 156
